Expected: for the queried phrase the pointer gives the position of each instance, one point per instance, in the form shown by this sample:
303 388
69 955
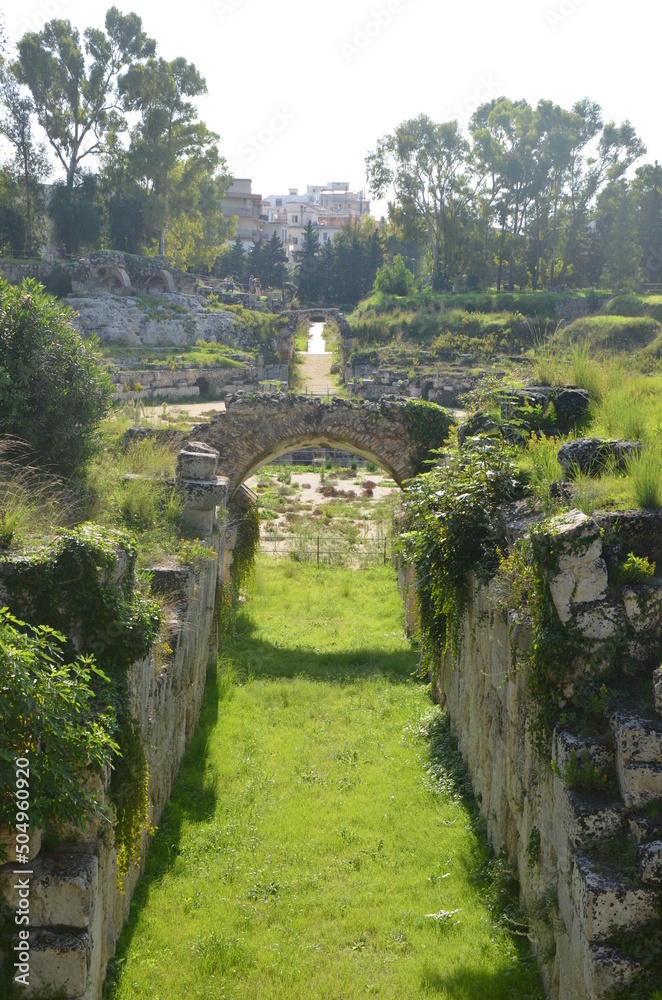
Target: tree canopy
518 202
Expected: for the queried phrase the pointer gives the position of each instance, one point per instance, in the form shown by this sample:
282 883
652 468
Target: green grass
319 841
612 334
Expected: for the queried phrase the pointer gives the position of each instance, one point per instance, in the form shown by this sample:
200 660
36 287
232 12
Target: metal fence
329 550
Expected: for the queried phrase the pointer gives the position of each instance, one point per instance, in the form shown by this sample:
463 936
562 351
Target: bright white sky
299 91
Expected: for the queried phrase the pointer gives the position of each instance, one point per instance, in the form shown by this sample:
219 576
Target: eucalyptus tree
74 85
29 164
507 148
427 166
647 189
169 147
599 155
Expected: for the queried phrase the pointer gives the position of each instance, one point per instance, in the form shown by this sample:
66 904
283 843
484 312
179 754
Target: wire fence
330 550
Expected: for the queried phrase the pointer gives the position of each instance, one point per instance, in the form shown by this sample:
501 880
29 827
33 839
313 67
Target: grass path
317 843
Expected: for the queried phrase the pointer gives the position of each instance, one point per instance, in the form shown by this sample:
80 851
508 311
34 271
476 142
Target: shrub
452 530
50 715
54 389
395 278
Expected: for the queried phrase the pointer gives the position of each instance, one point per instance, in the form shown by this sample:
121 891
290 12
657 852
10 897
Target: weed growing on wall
451 531
77 586
55 712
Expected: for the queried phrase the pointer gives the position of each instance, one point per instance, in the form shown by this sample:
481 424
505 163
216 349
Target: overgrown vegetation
451 532
57 713
54 389
82 584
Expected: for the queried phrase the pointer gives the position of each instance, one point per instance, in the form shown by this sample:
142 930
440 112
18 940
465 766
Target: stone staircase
613 883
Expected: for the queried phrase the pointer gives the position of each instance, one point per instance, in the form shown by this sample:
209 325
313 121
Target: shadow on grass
484 985
255 658
194 798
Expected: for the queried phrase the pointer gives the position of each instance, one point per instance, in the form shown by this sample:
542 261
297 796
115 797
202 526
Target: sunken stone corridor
553 833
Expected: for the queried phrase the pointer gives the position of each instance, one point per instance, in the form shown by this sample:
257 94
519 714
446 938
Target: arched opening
321 501
117 280
331 442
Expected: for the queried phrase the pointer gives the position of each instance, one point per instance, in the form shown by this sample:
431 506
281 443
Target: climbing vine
451 531
82 584
247 521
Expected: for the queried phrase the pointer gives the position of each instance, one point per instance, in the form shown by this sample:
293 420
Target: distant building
239 201
329 207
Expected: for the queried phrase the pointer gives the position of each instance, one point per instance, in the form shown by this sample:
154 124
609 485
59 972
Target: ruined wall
77 907
553 832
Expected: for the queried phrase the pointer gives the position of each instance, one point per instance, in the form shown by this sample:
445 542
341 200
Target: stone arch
255 429
160 280
117 280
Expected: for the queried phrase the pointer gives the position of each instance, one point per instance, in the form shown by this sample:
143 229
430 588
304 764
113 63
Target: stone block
599 621
597 749
63 889
649 862
604 902
197 461
200 495
643 606
592 454
637 736
640 783
59 964
638 741
609 969
581 576
588 817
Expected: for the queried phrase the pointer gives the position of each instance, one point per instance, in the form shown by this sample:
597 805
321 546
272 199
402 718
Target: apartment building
329 207
239 201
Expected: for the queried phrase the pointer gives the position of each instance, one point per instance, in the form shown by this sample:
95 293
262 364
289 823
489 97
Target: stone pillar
201 488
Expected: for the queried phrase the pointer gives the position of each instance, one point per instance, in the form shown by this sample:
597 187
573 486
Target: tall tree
647 190
600 154
307 269
506 144
74 86
426 164
169 142
29 165
275 262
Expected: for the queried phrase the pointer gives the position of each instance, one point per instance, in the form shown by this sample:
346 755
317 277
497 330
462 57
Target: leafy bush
451 531
54 389
50 715
395 278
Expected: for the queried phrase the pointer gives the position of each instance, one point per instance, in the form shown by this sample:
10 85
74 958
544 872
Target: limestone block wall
77 907
549 830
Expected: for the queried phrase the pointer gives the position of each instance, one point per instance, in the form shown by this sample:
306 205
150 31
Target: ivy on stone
451 531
